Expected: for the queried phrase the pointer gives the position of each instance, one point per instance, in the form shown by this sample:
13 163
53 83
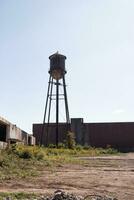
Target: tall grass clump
27 152
70 140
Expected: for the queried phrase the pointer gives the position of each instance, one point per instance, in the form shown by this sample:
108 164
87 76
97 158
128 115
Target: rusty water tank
57 65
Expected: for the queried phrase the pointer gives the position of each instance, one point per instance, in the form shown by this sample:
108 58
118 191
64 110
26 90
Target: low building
10 133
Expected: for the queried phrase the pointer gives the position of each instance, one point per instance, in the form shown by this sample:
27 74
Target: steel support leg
57 112
43 125
49 111
66 102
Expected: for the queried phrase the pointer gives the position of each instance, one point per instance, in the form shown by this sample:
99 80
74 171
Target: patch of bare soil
110 175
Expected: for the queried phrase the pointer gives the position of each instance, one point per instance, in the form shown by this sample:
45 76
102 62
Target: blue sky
97 36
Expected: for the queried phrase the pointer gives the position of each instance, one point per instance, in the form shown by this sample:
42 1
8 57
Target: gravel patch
61 195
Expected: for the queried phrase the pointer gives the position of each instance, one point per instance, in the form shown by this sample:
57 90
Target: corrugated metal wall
49 138
118 135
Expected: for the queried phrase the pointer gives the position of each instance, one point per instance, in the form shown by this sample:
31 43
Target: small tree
70 140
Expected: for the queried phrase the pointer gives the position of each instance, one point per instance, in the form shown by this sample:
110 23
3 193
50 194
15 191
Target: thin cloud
118 111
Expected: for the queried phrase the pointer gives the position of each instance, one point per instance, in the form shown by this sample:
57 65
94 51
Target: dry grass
16 161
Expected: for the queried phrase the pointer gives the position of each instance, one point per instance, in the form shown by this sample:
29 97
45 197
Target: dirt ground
109 175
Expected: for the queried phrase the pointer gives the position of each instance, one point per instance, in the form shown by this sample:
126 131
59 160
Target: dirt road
109 175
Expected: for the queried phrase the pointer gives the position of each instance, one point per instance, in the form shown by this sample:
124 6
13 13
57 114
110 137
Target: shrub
61 145
111 151
78 147
51 146
26 154
70 140
86 147
39 155
2 163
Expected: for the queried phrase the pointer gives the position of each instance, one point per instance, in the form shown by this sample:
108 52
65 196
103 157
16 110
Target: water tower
57 73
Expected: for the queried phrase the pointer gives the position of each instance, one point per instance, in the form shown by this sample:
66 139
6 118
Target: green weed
20 161
18 196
